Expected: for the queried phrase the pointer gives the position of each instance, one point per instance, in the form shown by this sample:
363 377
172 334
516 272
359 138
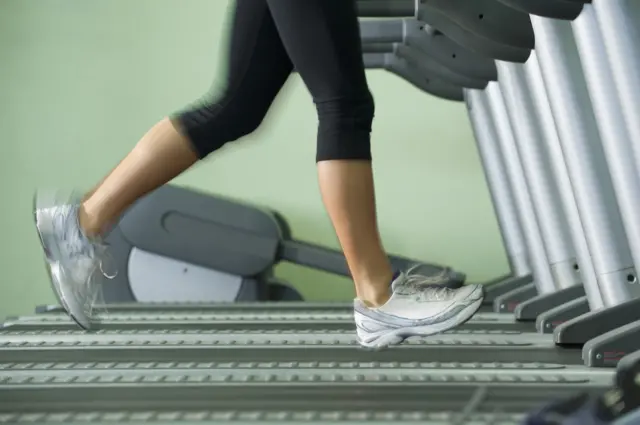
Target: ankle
89 224
374 292
375 300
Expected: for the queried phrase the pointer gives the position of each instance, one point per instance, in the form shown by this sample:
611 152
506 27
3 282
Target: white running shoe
417 307
73 260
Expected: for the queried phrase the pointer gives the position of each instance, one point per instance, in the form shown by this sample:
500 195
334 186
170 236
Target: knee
344 128
213 123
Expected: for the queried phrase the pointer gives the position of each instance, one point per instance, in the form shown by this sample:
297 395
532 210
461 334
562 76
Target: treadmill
576 332
524 386
576 339
181 392
475 66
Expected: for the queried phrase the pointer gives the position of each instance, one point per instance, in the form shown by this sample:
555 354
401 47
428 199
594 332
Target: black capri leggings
321 39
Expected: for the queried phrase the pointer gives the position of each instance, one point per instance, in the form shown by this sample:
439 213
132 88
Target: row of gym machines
550 87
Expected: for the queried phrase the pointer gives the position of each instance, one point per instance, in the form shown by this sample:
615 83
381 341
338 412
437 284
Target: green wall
81 81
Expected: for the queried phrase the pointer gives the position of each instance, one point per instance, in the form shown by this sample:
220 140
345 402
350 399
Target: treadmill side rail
595 323
609 348
549 320
488 19
436 45
469 39
508 302
530 310
502 285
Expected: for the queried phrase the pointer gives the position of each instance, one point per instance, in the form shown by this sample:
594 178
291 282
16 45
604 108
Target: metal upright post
544 190
620 27
499 187
504 294
590 177
614 136
549 137
619 155
535 246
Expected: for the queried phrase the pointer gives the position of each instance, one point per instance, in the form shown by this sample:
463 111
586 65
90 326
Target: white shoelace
434 294
414 277
426 288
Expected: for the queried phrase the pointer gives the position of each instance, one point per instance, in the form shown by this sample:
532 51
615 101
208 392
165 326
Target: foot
73 260
417 307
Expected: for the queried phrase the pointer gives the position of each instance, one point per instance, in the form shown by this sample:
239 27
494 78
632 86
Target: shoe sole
397 336
55 284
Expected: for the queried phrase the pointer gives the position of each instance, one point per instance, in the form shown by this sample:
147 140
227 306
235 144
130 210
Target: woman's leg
162 154
258 66
348 194
322 39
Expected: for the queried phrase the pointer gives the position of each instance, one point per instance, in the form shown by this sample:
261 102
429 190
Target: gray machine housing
184 246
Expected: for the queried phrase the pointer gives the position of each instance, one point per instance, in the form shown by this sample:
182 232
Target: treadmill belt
248 417
291 306
141 390
281 320
528 375
263 345
314 315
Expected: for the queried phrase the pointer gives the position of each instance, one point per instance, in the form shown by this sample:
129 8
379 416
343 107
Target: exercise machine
534 237
266 375
540 343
